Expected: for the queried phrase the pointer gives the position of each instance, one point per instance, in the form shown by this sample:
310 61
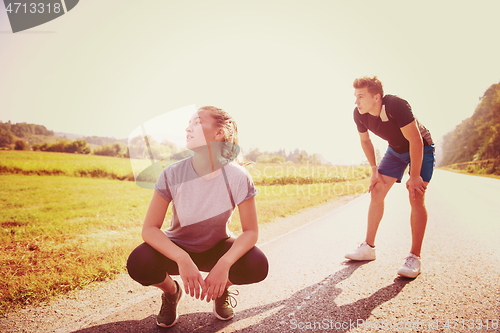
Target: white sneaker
364 252
411 267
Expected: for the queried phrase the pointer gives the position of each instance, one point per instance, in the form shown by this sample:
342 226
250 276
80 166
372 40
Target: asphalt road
312 288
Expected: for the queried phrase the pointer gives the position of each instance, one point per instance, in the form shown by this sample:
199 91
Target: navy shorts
394 164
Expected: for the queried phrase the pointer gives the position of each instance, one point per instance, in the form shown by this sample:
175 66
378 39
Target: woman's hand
152 234
215 282
191 278
218 278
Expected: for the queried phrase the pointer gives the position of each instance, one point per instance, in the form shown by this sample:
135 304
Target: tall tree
478 137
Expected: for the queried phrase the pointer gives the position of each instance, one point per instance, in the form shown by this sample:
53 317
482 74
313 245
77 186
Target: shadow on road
314 304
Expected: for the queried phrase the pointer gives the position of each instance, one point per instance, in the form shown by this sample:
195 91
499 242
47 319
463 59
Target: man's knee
418 200
379 192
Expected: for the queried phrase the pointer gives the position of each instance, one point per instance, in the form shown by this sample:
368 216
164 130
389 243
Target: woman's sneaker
412 267
223 306
364 252
168 315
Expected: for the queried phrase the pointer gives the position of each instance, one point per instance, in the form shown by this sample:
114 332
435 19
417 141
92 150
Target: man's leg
376 209
418 220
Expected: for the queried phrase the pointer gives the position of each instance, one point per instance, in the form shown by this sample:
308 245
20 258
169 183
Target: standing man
410 143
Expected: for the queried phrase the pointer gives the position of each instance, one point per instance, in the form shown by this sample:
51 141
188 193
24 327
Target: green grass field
61 164
60 233
76 165
298 174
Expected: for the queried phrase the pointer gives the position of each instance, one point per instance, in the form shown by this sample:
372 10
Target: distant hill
477 137
92 140
31 133
70 136
103 140
38 134
280 156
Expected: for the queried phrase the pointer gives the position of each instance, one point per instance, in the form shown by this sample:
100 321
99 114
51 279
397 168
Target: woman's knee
253 267
259 264
263 266
141 261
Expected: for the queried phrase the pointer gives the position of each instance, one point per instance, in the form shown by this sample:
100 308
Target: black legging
148 266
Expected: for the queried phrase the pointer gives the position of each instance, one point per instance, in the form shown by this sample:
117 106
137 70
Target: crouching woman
204 190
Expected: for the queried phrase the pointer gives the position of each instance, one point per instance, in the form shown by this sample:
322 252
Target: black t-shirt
395 113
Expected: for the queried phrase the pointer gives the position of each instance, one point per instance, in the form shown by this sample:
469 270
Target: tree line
478 137
280 156
23 136
11 133
79 146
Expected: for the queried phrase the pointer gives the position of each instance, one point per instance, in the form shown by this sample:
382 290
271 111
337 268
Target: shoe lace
230 299
168 303
410 261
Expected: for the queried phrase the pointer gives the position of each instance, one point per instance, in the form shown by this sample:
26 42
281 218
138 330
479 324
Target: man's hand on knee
416 185
376 178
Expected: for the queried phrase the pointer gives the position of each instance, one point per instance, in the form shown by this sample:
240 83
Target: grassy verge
62 233
283 200
299 174
486 168
465 172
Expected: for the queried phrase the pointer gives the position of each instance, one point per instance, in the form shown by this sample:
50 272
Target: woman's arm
217 279
152 234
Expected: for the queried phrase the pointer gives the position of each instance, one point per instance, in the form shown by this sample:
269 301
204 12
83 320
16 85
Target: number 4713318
471 324
33 8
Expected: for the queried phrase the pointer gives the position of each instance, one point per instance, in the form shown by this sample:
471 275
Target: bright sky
283 69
